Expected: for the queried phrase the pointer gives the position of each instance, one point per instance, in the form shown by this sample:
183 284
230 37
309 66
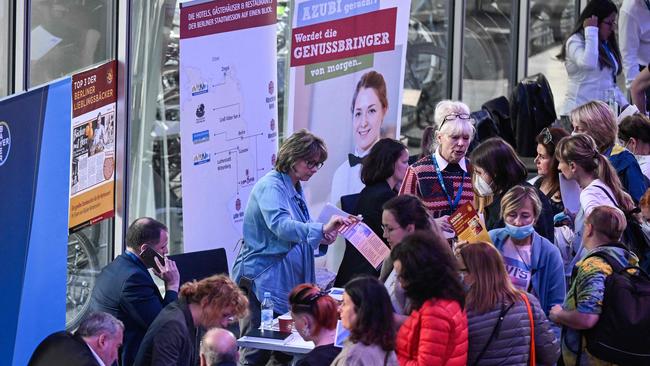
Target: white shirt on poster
347 179
634 37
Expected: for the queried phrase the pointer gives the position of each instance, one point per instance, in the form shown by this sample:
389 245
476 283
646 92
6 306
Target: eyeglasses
314 164
454 116
548 138
611 24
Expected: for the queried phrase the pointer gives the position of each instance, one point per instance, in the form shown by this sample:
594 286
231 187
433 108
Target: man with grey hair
95 343
219 348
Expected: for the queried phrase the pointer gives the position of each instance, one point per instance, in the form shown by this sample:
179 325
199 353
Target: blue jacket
547 268
126 290
628 170
279 240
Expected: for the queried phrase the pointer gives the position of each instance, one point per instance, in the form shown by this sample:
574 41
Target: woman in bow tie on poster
442 179
369 106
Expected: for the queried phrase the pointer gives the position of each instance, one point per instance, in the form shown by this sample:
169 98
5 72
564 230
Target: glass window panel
487 51
155 160
550 24
425 76
5 38
89 250
69 35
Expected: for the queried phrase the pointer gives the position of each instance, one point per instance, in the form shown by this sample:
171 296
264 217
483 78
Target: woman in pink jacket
436 331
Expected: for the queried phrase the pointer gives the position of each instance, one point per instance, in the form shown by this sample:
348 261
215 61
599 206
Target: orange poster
92 172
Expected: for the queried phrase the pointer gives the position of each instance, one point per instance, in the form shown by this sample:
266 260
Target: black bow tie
354 160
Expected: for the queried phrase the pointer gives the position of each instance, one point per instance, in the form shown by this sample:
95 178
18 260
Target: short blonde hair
456 126
302 145
599 122
515 197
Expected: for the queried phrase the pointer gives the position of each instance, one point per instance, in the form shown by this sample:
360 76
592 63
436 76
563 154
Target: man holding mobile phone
126 290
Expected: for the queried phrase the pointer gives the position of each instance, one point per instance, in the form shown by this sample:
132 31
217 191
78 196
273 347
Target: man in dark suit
95 343
126 290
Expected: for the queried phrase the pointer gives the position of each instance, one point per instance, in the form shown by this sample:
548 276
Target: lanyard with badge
611 57
453 204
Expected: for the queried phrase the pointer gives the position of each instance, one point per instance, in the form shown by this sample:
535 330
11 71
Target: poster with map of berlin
228 102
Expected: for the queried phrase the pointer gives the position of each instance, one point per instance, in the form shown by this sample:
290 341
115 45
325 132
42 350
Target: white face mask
482 187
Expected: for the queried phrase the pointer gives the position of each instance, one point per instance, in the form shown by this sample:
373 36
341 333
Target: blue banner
34 186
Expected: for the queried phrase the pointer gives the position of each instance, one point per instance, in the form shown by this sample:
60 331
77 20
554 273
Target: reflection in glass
67 36
425 76
88 252
551 23
487 51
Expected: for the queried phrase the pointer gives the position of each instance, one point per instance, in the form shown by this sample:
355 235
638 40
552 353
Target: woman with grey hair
279 235
442 178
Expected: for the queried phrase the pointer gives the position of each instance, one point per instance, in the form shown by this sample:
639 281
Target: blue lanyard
454 204
611 57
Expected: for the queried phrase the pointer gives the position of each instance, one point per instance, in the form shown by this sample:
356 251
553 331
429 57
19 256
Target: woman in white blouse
592 57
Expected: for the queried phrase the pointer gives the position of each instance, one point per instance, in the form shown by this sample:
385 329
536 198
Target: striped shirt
421 180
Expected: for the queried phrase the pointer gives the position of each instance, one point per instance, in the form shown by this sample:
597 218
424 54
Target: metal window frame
455 51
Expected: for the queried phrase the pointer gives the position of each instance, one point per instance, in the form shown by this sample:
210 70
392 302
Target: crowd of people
533 294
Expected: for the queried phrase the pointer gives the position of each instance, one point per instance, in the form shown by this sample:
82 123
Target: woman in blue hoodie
533 263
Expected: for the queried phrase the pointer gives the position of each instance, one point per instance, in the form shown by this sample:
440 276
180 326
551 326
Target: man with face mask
126 290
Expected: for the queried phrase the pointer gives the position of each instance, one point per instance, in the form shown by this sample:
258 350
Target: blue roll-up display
34 191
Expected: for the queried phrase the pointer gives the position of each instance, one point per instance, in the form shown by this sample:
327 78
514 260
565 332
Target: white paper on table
41 43
367 243
295 340
570 191
328 211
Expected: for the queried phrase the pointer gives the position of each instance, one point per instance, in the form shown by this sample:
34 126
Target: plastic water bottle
267 311
611 101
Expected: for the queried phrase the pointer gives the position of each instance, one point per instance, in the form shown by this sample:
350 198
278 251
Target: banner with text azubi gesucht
345 85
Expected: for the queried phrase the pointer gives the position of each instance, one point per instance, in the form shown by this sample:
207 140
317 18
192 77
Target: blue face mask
519 232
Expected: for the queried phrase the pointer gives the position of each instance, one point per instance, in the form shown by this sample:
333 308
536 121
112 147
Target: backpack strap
610 198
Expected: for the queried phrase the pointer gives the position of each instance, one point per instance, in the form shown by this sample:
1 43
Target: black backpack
622 333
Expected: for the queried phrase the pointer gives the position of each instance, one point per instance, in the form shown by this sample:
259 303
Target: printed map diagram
228 138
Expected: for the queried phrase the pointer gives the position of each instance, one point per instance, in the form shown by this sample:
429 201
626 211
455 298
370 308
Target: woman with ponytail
315 314
597 120
580 160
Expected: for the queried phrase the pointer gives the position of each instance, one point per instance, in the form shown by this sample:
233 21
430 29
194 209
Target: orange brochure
468 225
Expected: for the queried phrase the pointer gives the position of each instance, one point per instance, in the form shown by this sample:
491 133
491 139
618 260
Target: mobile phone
148 258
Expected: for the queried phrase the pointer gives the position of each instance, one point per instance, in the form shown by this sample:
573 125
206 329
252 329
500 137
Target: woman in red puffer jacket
436 331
